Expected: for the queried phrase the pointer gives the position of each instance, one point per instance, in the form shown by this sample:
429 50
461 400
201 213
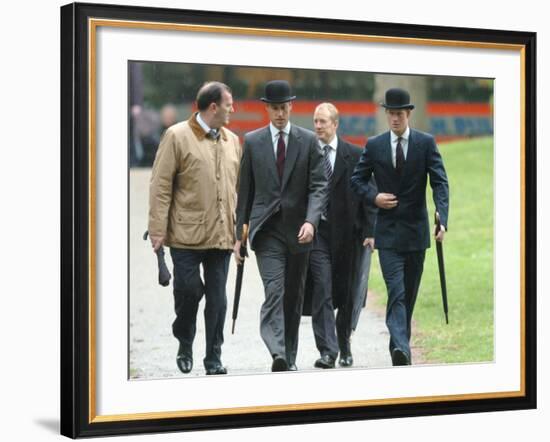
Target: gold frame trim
93 24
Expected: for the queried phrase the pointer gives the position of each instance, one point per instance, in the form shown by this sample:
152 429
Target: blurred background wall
161 94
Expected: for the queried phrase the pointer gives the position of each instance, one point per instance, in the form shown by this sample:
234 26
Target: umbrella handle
437 222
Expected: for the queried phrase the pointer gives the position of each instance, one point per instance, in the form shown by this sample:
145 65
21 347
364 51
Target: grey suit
275 210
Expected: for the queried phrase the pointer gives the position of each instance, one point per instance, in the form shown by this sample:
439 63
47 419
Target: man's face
398 120
279 113
325 126
222 111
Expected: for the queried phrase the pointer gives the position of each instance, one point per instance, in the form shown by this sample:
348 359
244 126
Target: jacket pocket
191 227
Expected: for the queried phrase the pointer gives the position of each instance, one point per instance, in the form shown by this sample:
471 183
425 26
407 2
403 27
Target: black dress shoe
325 361
292 367
185 363
220 369
346 360
279 364
399 357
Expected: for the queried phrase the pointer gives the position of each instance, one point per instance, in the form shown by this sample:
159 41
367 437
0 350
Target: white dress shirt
201 122
332 151
404 144
275 136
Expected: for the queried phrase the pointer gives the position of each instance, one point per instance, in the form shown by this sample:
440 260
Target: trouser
188 291
402 273
283 275
351 306
322 307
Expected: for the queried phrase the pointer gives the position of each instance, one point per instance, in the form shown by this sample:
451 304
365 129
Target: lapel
266 144
341 162
294 144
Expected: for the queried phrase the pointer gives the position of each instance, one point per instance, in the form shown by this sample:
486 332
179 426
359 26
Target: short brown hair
211 92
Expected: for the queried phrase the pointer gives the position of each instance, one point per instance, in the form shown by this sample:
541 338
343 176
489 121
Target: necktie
399 157
281 155
213 134
328 166
328 173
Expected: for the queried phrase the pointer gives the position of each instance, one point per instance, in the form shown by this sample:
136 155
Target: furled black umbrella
164 273
441 265
239 280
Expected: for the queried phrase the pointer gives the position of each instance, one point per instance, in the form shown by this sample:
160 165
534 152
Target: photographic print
457 111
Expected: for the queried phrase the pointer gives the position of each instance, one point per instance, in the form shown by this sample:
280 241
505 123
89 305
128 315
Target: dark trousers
284 276
188 291
322 308
402 272
343 327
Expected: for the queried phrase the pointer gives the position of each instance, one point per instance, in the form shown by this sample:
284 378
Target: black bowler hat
277 91
397 99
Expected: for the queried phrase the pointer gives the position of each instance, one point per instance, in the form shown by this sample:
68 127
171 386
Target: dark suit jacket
350 220
405 227
300 197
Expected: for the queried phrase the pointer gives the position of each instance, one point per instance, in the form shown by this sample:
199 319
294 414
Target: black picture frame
77 250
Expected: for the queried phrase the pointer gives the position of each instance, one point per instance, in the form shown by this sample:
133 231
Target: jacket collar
199 131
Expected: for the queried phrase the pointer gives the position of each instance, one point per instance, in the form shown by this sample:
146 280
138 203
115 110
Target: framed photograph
129 73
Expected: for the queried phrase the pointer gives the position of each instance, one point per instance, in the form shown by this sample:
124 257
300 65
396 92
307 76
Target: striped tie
328 166
328 173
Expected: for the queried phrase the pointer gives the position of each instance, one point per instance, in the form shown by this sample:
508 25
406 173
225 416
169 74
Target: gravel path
153 348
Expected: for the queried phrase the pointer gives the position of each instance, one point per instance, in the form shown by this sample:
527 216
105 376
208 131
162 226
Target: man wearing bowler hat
282 193
401 161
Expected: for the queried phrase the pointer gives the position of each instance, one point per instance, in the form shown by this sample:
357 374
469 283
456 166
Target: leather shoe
346 360
279 364
399 357
219 369
292 367
184 363
325 361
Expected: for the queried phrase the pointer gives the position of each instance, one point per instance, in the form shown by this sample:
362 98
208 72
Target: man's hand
369 242
237 253
156 241
439 237
305 235
385 200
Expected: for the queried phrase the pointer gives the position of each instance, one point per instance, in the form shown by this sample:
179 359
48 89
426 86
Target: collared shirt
332 151
275 136
404 144
202 124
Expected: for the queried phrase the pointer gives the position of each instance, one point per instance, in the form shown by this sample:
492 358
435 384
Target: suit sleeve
318 185
161 184
439 183
245 195
361 177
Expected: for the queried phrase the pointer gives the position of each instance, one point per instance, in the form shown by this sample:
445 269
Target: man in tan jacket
192 200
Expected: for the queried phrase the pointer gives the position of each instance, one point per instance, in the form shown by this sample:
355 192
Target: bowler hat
277 91
397 99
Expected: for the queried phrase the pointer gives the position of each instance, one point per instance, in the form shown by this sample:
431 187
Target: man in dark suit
401 161
346 227
282 191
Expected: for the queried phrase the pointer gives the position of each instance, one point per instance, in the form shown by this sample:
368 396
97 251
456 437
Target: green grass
468 250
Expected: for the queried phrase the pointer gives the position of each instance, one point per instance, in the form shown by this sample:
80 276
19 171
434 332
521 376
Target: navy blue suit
402 234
